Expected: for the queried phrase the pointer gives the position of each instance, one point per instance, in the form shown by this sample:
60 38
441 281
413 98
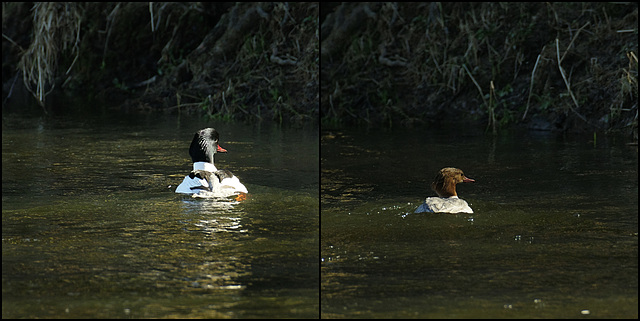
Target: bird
444 184
206 180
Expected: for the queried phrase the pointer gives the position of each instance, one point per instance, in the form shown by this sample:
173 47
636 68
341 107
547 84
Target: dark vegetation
250 61
547 66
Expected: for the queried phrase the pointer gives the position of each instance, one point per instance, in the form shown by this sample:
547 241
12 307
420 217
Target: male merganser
445 185
206 180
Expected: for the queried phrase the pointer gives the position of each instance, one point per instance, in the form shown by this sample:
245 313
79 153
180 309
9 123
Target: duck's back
444 205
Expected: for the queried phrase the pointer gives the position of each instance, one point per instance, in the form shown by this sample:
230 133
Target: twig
475 82
567 83
151 13
531 85
400 62
290 60
184 105
492 114
14 43
572 40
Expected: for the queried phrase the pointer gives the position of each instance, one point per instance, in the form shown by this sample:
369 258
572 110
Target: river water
92 228
554 233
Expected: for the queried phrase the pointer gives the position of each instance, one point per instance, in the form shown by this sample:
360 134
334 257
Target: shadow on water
92 228
554 233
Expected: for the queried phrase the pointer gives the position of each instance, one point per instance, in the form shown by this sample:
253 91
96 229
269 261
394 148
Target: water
554 233
91 227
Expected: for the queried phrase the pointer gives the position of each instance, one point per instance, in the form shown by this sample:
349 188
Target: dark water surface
554 233
92 228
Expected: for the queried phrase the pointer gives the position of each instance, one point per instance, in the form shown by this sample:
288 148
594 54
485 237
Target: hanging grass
56 30
223 60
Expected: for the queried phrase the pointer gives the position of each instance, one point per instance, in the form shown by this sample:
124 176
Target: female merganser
445 185
206 180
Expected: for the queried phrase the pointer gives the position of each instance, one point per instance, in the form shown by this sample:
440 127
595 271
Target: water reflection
221 215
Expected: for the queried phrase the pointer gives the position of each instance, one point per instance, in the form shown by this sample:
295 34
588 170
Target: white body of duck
213 183
444 205
206 181
444 184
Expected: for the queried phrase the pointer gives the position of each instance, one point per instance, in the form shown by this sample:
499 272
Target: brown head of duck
446 179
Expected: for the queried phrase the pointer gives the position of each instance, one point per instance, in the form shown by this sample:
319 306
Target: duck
444 184
206 180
